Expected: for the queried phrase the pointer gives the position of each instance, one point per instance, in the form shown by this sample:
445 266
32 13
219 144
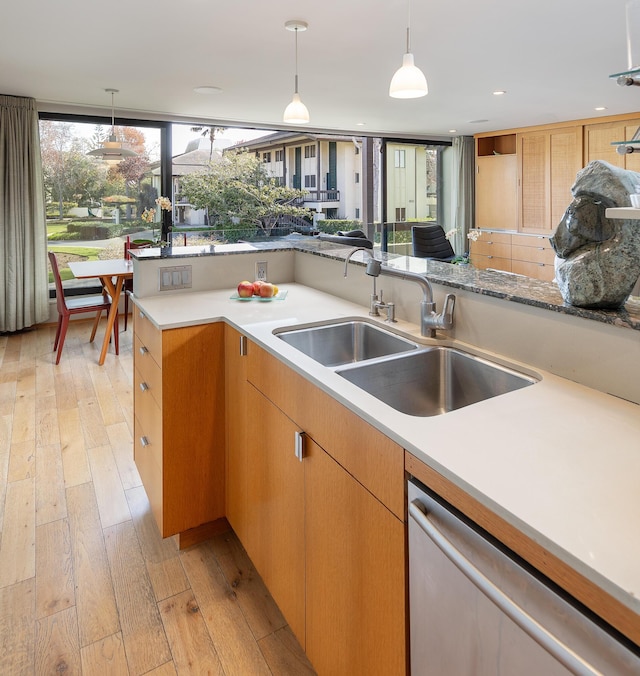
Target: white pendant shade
409 81
296 112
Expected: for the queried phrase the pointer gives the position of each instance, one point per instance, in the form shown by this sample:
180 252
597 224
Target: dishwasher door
476 611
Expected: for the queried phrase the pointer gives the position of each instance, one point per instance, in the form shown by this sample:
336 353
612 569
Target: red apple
245 289
267 290
256 287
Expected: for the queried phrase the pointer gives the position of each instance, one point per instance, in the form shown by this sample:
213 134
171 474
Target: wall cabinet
496 182
179 444
326 533
598 138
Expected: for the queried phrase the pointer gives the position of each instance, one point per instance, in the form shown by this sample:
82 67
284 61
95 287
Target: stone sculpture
598 258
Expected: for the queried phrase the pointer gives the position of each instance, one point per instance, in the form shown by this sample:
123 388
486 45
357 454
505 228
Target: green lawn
86 252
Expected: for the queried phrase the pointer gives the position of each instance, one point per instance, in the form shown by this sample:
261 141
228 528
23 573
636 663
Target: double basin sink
416 379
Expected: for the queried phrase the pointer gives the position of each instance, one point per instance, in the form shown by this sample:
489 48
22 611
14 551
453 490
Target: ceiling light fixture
112 150
296 112
408 81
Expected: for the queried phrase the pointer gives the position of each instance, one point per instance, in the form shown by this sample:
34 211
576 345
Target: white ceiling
553 58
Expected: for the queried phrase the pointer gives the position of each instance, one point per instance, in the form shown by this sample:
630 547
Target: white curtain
24 280
463 191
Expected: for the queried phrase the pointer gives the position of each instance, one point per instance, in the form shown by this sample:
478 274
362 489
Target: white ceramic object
635 201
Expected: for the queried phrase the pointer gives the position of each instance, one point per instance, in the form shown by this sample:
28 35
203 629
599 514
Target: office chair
429 242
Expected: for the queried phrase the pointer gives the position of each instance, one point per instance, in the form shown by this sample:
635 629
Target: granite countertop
569 482
508 286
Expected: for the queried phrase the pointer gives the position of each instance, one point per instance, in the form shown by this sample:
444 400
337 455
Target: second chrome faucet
430 320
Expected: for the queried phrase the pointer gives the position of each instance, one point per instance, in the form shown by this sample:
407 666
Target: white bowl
635 201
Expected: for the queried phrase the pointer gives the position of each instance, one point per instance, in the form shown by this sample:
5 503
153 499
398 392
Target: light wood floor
87 586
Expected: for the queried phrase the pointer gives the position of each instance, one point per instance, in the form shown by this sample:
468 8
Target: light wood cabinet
325 533
598 138
492 251
496 182
179 444
548 161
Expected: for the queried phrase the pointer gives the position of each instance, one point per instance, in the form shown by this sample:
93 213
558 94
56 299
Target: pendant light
112 150
409 81
296 112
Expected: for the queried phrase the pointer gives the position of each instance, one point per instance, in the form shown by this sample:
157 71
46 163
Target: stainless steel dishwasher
476 610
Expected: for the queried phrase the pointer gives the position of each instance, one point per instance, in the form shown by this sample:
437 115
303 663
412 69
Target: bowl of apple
258 290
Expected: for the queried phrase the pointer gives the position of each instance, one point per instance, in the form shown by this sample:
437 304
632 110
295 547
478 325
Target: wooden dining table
112 273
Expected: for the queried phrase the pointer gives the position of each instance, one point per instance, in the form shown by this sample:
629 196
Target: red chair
76 305
127 287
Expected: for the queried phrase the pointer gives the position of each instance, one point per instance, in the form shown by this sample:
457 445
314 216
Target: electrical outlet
261 271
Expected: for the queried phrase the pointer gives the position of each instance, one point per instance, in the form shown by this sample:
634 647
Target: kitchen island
551 469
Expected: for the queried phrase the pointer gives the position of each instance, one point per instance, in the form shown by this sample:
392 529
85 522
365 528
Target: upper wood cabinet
496 182
598 138
548 161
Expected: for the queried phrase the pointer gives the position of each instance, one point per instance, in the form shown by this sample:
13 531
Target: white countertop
559 461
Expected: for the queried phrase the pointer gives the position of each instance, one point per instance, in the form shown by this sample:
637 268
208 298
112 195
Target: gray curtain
463 190
24 282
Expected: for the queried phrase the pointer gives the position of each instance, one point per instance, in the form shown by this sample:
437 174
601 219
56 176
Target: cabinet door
548 163
236 438
496 185
355 574
275 507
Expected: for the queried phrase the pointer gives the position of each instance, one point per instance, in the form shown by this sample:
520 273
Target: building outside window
357 177
401 214
266 157
357 214
309 151
399 159
310 181
279 155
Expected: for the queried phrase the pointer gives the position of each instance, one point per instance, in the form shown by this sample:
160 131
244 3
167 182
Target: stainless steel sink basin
345 342
434 380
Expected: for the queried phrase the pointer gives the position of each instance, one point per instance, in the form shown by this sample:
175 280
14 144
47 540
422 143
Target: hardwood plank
92 423
26 381
24 418
54 569
22 460
161 555
109 405
260 610
284 655
75 461
112 503
105 656
17 549
143 634
122 446
95 600
17 636
7 397
51 503
65 391
46 421
45 380
191 646
57 648
167 669
5 444
229 631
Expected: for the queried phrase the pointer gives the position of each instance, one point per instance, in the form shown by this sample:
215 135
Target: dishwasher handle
534 629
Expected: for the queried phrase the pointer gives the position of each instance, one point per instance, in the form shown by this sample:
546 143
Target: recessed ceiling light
477 121
359 124
452 131
600 108
207 90
500 92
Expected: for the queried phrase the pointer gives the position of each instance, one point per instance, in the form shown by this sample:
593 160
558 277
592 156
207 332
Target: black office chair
429 242
350 238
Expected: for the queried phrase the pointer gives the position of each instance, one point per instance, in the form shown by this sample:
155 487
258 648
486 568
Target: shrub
330 227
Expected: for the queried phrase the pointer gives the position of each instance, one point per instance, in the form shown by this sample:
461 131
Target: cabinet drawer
532 254
149 416
493 262
492 237
536 241
489 247
150 472
149 371
542 271
150 336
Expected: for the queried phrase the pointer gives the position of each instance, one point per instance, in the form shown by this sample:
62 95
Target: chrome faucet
430 320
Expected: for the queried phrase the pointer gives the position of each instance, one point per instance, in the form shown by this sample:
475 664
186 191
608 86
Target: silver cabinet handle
299 445
243 346
144 387
534 629
143 350
141 314
144 441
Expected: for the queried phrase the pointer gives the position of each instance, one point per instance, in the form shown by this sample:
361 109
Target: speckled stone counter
510 287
